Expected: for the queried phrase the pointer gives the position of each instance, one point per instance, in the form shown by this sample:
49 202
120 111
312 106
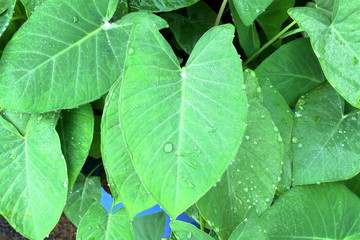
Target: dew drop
65 185
75 19
246 189
130 51
247 137
267 199
275 129
258 89
189 235
294 139
280 139
300 145
183 75
168 147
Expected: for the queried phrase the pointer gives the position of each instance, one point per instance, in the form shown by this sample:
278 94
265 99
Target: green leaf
182 124
95 151
188 30
70 43
275 15
6 12
324 138
75 128
98 224
31 5
160 6
328 211
250 228
183 230
283 118
85 192
252 177
32 175
293 70
249 10
149 227
124 183
248 36
354 184
333 42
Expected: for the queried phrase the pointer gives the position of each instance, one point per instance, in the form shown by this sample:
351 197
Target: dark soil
64 230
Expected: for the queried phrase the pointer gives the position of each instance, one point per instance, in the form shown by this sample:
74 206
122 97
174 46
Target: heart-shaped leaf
249 10
162 106
323 138
332 38
32 173
160 6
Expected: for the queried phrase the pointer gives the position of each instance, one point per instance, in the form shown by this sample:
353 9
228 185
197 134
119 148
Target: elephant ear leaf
162 105
332 38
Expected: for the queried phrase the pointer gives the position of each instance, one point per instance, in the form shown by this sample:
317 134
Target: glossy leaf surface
335 42
323 138
249 10
6 12
183 230
160 6
252 177
328 211
32 173
85 192
293 70
163 105
31 5
149 227
124 182
75 128
98 224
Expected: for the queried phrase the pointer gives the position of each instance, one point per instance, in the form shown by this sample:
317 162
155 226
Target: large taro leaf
293 70
149 227
283 118
65 55
249 10
32 173
160 6
85 192
335 41
252 177
327 211
100 225
188 30
325 139
124 182
6 12
182 124
183 230
75 128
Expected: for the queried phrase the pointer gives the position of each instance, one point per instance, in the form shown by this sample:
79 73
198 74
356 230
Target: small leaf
174 135
293 70
252 177
334 45
249 10
149 227
328 211
32 175
98 224
75 128
85 192
160 6
183 230
324 137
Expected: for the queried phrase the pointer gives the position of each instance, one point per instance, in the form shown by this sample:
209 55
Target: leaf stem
94 169
220 13
202 223
266 45
292 32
